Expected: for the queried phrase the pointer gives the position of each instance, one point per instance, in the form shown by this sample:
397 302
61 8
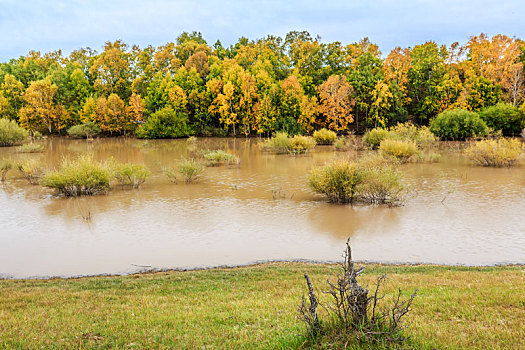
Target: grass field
253 307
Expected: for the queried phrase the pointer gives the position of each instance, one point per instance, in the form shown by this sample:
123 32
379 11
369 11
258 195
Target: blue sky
47 25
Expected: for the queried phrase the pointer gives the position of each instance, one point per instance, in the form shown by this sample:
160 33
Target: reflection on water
262 210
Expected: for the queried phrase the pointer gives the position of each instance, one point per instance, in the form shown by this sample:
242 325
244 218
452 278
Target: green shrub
5 166
458 124
281 144
85 130
324 137
132 175
337 181
189 169
373 138
164 124
371 180
495 153
380 185
219 157
505 117
31 148
400 149
31 170
79 176
301 144
191 139
10 133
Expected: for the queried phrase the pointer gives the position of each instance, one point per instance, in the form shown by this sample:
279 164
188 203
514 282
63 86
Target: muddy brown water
457 213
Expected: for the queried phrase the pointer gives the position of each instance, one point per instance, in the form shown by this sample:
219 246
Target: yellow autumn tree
335 102
40 111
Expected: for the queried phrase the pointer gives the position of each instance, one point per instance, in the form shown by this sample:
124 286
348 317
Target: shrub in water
458 124
79 176
10 133
219 157
163 124
5 166
496 153
301 144
401 149
281 144
189 169
31 171
505 117
373 138
132 175
85 130
31 148
324 137
381 185
337 181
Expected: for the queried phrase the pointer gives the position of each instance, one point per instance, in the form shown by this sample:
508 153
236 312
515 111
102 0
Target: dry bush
355 313
495 153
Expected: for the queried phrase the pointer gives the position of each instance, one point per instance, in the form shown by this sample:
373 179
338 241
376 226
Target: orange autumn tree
335 102
40 111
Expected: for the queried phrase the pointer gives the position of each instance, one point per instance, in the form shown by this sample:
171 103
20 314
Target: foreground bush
400 149
85 130
495 153
505 117
164 124
324 137
458 124
79 176
10 133
356 314
219 157
31 148
282 144
371 180
31 170
132 175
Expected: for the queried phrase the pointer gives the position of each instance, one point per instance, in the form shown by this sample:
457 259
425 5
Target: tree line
297 85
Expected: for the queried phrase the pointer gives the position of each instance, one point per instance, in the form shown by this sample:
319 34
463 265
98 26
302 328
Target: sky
48 25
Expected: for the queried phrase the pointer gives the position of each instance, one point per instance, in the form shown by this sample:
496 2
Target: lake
455 213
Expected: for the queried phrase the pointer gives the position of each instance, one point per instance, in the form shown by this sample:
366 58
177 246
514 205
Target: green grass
252 307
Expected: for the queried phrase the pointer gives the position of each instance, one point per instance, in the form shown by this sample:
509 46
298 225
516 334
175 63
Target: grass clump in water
189 169
5 166
79 176
219 157
400 149
31 148
422 136
373 180
324 137
31 170
131 175
281 143
495 153
11 133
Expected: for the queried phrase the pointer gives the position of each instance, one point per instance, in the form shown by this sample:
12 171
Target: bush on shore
31 148
324 137
85 130
505 117
404 132
458 124
495 153
11 133
164 124
79 176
